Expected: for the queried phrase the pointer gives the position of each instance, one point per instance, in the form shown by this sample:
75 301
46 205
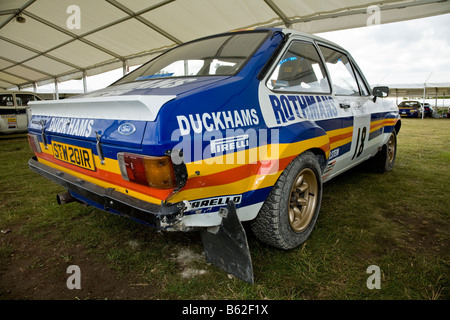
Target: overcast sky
401 52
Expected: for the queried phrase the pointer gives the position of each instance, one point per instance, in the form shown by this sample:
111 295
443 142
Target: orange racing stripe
214 179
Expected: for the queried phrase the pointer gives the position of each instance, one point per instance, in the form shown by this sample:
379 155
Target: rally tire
280 223
384 160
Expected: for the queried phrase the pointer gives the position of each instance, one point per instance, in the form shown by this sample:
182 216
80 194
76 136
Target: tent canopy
46 41
435 83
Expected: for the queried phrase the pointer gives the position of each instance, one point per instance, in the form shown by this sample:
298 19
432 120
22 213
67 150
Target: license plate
81 157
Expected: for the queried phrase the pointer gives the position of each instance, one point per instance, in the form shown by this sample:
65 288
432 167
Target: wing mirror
381 92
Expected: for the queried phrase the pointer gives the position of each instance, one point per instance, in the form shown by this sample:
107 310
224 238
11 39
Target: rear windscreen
221 55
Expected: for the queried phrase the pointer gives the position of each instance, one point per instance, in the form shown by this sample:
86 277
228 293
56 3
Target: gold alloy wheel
391 148
303 200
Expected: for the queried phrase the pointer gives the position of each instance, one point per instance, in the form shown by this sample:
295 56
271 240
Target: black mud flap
226 246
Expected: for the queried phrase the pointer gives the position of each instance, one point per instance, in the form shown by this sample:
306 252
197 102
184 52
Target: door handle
344 105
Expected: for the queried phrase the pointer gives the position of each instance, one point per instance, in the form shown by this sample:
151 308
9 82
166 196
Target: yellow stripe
227 161
376 125
222 163
238 187
340 143
211 166
101 183
264 153
249 183
336 132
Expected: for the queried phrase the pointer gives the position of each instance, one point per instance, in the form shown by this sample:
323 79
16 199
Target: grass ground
398 221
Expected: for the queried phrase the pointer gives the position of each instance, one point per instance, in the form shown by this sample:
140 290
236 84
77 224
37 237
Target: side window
362 86
6 100
341 72
23 99
300 70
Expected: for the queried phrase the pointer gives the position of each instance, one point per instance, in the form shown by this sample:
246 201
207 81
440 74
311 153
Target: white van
14 111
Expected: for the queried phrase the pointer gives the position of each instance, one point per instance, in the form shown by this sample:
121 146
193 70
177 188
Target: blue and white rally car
241 126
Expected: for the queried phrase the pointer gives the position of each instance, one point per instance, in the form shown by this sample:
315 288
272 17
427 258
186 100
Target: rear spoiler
129 107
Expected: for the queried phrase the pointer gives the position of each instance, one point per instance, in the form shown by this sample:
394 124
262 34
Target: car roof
17 91
285 31
311 36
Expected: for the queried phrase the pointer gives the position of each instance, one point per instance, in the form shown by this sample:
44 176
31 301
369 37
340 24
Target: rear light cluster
156 172
34 143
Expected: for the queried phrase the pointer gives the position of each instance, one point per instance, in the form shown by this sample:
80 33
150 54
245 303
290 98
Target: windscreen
222 55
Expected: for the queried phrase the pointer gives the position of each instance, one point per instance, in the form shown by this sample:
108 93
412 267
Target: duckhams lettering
74 127
217 121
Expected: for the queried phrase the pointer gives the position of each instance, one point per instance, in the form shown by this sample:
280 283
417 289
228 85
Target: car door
8 119
22 100
353 99
298 90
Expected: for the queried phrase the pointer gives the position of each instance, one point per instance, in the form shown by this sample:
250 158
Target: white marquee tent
49 41
433 85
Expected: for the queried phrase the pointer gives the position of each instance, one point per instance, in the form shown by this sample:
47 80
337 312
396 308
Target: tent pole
443 100
435 103
423 101
84 82
56 90
424 92
125 67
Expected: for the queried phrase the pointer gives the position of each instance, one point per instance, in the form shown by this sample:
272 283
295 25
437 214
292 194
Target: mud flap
226 246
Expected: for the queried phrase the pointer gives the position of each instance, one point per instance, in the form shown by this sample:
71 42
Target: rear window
221 55
410 104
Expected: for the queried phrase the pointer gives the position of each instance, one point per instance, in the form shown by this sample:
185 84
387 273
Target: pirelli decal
215 202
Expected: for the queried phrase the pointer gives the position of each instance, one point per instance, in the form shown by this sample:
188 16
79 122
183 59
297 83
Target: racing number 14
360 146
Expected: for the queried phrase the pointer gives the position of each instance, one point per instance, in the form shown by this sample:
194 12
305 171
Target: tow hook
226 246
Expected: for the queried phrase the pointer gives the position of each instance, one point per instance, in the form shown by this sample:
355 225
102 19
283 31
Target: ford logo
126 129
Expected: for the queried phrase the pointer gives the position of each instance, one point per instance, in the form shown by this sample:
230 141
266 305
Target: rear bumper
159 216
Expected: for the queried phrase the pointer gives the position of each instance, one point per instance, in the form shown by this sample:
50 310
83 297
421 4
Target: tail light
156 172
34 143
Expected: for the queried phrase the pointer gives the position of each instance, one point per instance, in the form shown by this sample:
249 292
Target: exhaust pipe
64 198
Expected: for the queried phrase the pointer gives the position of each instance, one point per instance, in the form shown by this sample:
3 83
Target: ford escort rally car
411 109
240 126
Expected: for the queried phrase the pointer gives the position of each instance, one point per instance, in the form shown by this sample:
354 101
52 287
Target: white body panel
131 107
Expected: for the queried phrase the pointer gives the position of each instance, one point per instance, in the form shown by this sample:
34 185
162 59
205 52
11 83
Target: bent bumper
159 216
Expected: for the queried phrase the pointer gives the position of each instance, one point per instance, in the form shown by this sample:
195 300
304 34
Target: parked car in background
428 109
410 109
14 110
